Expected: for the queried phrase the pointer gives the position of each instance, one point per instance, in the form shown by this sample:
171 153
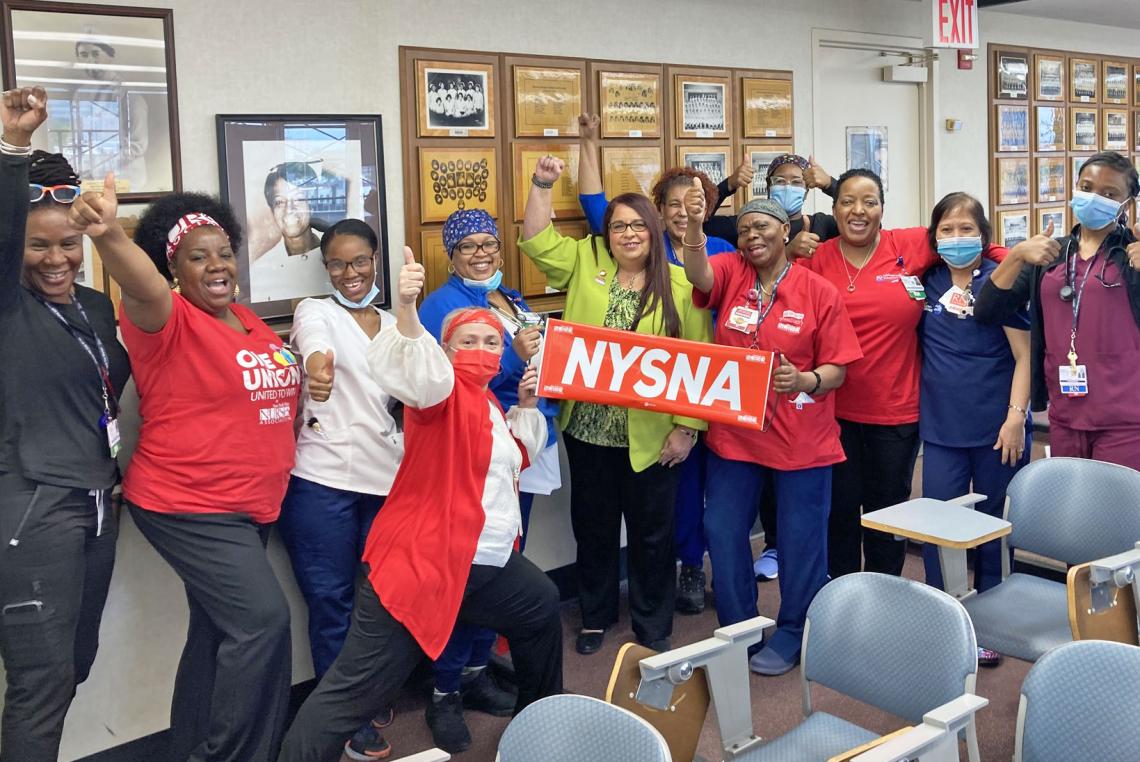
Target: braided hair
50 169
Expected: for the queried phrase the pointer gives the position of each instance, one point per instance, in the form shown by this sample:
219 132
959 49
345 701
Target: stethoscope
1068 291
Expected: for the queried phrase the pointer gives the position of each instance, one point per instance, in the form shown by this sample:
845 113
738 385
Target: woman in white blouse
442 550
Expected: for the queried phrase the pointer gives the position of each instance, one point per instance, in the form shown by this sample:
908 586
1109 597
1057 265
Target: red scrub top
808 324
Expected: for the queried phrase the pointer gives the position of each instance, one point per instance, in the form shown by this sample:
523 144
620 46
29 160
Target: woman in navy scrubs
974 398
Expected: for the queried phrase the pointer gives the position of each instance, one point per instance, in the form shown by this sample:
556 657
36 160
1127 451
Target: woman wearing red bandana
218 394
442 550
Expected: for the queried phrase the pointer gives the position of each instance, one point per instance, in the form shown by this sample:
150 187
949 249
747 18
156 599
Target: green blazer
569 265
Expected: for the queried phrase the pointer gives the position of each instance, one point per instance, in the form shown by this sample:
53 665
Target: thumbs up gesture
1134 248
94 212
1040 250
320 370
695 202
411 282
742 176
786 379
805 243
816 176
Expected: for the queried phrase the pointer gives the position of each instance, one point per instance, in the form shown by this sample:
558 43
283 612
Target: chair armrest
431 755
937 736
955 713
969 500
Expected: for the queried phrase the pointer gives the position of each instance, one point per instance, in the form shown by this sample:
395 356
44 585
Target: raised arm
409 287
589 169
538 204
818 177
21 112
146 294
697 267
1040 250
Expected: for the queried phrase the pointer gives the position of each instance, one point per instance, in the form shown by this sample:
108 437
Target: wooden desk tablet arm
1096 610
935 740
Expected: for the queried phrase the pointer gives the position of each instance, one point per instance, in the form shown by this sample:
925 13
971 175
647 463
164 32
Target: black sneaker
691 590
482 694
368 744
445 718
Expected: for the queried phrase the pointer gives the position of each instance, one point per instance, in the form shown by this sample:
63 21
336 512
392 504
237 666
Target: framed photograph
630 169
867 149
1136 84
457 178
712 160
1013 181
1051 185
630 104
1077 162
112 95
288 179
564 201
1082 79
761 157
1050 77
1084 135
1115 82
1055 215
1136 130
1013 76
1012 227
1012 128
1115 129
547 101
534 281
1051 128
433 256
702 106
455 99
767 108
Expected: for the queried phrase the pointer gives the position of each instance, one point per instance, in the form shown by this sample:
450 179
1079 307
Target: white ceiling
1124 14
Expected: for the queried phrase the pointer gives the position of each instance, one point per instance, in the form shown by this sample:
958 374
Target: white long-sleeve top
356 446
418 373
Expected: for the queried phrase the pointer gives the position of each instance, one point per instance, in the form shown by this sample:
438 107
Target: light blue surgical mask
490 284
367 300
791 197
960 252
1093 210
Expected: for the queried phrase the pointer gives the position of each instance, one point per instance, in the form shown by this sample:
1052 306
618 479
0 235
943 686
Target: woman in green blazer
621 459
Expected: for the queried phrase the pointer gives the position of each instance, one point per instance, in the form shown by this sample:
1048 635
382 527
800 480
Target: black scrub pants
53 584
231 692
517 600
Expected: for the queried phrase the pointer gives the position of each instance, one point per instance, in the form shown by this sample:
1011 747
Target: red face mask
478 365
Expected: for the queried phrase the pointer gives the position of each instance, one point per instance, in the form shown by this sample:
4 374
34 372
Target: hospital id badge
113 439
1074 380
913 286
956 303
742 318
529 319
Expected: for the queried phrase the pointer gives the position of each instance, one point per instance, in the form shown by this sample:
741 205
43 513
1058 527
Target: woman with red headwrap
442 550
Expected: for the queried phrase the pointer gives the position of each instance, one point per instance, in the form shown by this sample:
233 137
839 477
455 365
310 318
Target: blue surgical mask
490 284
367 300
1093 210
960 252
791 197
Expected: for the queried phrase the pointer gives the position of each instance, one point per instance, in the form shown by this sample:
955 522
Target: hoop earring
176 287
451 269
786 239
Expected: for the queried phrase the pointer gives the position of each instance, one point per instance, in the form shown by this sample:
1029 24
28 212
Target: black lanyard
98 355
771 302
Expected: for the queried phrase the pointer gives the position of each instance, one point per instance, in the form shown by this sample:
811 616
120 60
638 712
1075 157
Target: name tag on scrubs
529 319
803 398
913 286
956 303
742 319
1074 381
114 441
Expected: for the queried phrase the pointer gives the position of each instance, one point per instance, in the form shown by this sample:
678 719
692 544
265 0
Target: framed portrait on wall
1115 121
1136 84
1013 181
1012 227
630 104
455 99
714 161
867 149
1051 184
630 169
1051 128
1051 214
761 157
564 195
288 179
767 107
1136 130
1050 77
1012 75
112 92
457 178
1083 129
547 101
1077 162
1115 82
701 106
1012 128
1082 79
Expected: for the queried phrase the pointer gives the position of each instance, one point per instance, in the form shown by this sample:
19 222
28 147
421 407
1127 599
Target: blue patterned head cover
787 158
465 222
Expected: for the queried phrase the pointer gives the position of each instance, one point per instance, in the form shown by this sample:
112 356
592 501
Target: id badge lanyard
755 296
1078 293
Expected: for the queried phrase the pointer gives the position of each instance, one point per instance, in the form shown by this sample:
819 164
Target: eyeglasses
337 266
64 194
468 248
637 226
781 182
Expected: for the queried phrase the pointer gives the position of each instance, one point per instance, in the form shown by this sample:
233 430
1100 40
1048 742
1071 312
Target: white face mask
367 300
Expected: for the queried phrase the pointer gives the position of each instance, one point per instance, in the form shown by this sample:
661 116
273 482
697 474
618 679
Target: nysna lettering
261 372
655 377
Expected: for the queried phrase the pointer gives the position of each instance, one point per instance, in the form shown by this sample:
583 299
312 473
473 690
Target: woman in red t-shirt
217 396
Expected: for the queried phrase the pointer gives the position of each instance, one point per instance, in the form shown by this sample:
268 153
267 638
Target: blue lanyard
102 362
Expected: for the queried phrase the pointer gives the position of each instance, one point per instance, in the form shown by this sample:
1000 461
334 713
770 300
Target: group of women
421 441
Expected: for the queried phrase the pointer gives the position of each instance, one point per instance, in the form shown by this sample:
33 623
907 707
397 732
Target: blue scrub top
967 367
594 205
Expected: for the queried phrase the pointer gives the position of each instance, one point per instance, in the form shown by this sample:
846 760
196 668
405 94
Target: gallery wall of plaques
475 125
1049 111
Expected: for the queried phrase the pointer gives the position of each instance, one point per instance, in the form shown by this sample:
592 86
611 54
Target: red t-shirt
882 388
808 324
217 409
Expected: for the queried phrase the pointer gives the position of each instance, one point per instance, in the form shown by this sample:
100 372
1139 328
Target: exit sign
955 23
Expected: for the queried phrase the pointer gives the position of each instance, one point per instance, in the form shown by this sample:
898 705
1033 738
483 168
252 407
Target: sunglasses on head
64 194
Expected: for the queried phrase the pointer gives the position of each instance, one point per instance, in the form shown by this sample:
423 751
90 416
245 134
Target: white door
883 119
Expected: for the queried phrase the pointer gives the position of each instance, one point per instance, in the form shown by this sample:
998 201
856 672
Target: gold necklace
847 265
632 286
